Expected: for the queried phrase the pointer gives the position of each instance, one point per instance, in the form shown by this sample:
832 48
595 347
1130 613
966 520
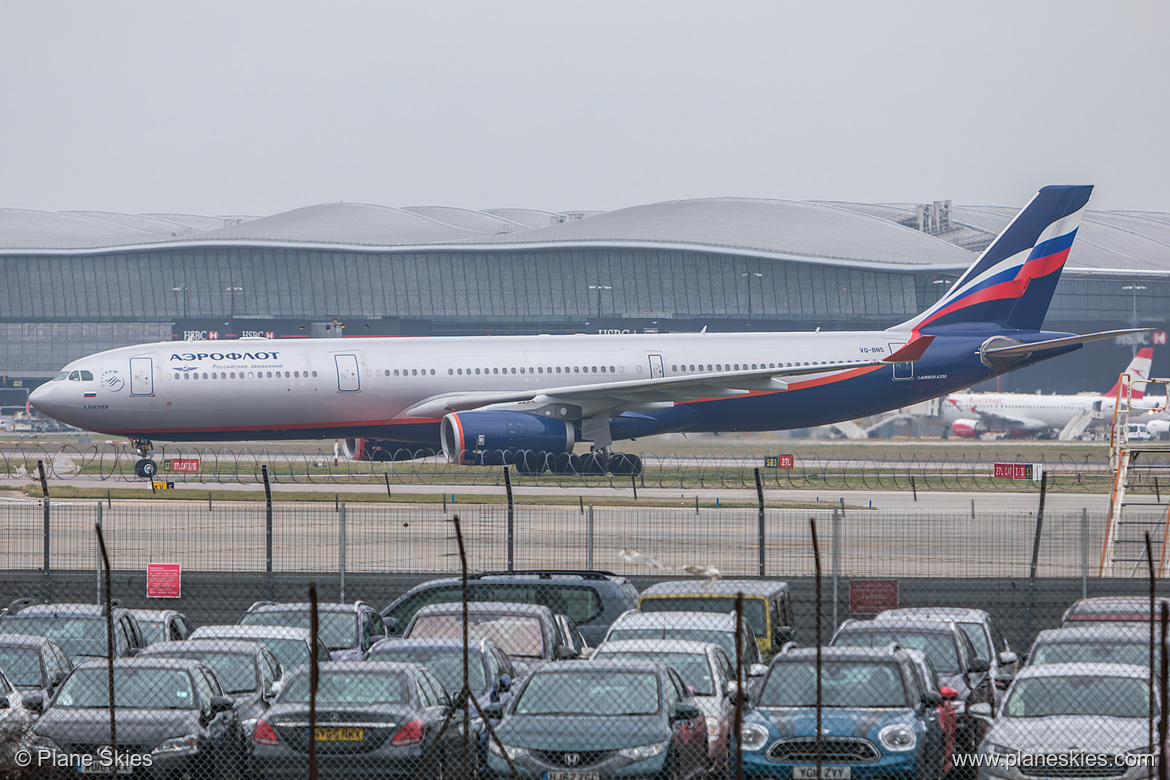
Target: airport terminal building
80 282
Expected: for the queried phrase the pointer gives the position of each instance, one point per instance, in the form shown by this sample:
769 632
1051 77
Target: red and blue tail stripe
1012 283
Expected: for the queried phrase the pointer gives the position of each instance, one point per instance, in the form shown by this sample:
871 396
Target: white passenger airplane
1021 414
526 400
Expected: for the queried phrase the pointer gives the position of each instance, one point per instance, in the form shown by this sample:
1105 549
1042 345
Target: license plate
560 775
827 773
339 734
99 767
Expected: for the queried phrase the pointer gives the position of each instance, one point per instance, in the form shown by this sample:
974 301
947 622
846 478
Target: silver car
706 670
1070 720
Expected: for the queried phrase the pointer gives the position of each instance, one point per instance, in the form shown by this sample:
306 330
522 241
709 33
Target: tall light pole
599 288
183 290
233 291
748 275
1134 288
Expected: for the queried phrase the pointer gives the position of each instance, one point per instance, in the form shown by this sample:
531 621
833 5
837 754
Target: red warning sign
869 597
164 580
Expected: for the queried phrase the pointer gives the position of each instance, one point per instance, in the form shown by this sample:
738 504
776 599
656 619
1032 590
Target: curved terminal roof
1120 242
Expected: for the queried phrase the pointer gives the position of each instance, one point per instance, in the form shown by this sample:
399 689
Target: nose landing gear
145 468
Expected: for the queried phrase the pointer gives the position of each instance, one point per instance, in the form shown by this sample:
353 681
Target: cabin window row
247 375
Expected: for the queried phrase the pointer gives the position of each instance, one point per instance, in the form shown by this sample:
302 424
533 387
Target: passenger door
141 376
348 377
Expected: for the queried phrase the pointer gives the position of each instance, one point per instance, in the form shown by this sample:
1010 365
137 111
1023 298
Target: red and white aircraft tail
1138 371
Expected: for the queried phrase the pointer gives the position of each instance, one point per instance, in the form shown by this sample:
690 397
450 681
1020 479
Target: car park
170 713
528 633
374 719
348 630
33 663
876 720
717 628
247 671
162 625
1091 712
708 675
947 647
1099 643
79 629
291 646
591 599
984 632
767 605
600 718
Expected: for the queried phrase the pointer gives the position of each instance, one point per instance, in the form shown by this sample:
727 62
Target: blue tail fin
1012 282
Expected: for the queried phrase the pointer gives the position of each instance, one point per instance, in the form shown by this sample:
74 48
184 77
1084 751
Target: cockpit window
62 375
75 376
86 376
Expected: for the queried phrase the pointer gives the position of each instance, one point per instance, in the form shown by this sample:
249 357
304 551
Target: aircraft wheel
595 464
625 465
146 468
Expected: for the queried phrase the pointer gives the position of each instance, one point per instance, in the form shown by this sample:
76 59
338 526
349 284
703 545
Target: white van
1137 432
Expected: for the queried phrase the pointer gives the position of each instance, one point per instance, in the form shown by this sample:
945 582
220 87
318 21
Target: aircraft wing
994 420
647 394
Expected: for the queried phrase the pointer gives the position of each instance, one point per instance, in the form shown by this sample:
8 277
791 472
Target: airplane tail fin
1139 372
1012 282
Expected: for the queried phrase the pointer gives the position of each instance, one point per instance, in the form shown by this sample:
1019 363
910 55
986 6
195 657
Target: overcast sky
259 107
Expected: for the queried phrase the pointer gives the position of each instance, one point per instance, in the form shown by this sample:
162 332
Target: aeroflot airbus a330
527 399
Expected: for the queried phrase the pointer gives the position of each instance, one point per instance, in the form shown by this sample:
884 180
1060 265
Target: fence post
267 527
45 505
589 539
99 555
341 550
1084 553
511 519
836 564
1035 560
760 498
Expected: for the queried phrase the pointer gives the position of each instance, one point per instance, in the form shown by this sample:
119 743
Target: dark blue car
876 720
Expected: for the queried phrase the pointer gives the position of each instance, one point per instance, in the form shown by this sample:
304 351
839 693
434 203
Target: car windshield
149 688
349 687
517 635
693 668
22 665
335 629
76 635
850 684
1098 696
236 672
446 663
725 639
754 609
1093 652
586 692
938 647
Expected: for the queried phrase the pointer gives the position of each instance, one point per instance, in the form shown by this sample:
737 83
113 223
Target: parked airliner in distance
526 400
1021 414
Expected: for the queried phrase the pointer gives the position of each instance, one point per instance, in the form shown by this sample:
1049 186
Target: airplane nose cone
41 399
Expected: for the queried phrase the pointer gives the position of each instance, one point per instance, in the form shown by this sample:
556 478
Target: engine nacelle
968 429
384 450
494 438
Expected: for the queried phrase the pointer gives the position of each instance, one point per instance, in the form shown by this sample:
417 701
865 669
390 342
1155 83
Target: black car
1094 643
33 663
80 629
347 629
247 671
374 719
948 648
598 719
526 632
162 625
591 599
172 720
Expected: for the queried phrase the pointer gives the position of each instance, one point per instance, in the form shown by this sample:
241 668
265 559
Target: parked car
374 719
948 721
79 629
1112 609
169 710
983 631
591 599
290 645
526 632
571 636
767 605
348 630
33 663
247 671
947 647
711 627
162 625
708 675
1097 643
629 719
1052 710
876 720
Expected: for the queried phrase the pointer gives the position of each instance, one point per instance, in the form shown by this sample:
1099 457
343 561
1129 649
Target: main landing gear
145 468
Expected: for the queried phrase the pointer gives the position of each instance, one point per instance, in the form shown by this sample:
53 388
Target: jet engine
496 438
384 449
968 429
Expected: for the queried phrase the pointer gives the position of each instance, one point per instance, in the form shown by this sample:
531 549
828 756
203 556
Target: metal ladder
1139 469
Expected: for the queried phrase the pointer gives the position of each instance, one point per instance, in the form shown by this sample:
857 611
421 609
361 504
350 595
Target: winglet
911 351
